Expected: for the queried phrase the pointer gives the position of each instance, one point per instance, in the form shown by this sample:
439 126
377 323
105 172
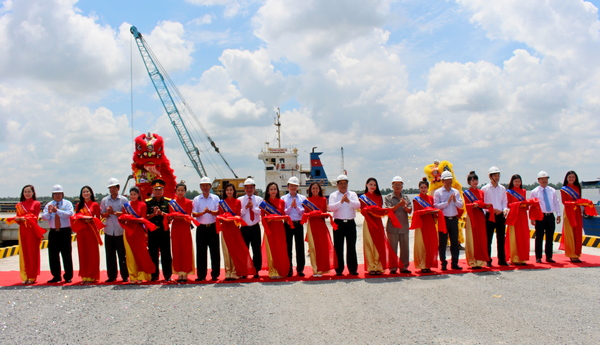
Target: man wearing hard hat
294 209
448 200
58 213
251 215
550 205
111 207
344 203
494 193
402 207
205 207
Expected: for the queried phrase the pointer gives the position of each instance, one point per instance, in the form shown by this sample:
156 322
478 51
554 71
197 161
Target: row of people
140 233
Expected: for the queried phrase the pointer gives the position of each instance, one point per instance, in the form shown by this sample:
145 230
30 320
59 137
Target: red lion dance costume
149 163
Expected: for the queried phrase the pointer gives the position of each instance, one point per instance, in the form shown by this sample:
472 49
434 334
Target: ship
281 163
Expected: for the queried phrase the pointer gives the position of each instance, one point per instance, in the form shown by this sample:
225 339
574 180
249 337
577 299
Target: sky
397 84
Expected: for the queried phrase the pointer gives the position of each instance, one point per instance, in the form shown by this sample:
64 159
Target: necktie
57 218
251 210
547 201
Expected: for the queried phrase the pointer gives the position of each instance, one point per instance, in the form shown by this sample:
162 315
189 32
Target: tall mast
278 125
343 171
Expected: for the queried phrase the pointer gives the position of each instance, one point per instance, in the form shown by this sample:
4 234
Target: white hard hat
294 180
542 174
249 182
397 179
342 177
57 189
493 170
446 175
112 182
205 179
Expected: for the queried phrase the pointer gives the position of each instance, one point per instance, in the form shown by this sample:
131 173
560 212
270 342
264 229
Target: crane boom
166 98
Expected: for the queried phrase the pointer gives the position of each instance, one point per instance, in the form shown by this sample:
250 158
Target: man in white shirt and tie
294 209
205 207
449 201
58 213
494 193
344 204
550 205
251 215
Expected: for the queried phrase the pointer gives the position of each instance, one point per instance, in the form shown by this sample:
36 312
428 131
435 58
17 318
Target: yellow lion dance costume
433 172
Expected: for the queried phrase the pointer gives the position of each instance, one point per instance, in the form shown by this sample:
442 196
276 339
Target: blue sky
397 83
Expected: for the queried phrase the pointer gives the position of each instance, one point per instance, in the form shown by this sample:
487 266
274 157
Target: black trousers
499 227
452 232
251 235
207 238
59 245
113 247
296 234
159 244
543 227
346 232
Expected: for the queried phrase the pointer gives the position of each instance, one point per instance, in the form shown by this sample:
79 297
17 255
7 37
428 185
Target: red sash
236 247
324 252
373 215
275 233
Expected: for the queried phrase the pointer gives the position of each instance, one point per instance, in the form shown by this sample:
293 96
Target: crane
157 75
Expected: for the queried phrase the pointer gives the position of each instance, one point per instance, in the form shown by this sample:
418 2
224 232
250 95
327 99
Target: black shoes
301 274
353 273
256 276
444 266
125 280
68 281
54 280
503 263
489 264
199 279
456 267
576 260
538 261
110 280
404 271
550 261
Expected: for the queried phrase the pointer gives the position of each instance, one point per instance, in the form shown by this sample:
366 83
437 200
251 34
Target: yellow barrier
14 250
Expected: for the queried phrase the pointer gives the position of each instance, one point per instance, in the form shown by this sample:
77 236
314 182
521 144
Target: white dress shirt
440 201
538 192
64 212
343 210
200 203
495 196
112 225
295 213
256 200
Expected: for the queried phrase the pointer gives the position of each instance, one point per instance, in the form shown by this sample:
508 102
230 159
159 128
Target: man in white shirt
550 205
344 204
251 215
205 207
294 209
494 193
58 213
111 207
449 201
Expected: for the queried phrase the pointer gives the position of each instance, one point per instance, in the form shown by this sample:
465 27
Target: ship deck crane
157 75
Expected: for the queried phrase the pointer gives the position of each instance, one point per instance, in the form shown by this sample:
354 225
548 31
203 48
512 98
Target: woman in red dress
517 225
135 237
182 245
475 230
379 255
426 233
238 263
572 232
30 234
320 247
274 247
87 225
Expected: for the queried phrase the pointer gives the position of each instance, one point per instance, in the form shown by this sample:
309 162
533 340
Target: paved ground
556 306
